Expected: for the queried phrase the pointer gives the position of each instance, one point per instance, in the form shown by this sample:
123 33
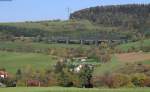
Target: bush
21 83
118 80
85 76
64 80
146 49
147 82
98 81
113 81
139 79
9 82
118 50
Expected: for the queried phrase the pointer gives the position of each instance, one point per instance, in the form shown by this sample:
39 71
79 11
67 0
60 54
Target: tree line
129 17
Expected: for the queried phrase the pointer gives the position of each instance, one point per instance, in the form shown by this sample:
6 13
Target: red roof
4 73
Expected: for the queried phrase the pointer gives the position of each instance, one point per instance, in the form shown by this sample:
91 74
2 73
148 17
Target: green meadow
32 45
12 61
136 45
61 89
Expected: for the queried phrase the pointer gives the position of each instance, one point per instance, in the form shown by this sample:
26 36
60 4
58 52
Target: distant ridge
129 16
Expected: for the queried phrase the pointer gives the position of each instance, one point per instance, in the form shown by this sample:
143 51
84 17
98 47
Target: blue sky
32 10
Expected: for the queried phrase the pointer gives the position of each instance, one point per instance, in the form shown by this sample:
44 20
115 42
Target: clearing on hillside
133 57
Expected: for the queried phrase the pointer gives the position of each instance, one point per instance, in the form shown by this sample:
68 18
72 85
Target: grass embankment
36 46
136 45
61 89
9 44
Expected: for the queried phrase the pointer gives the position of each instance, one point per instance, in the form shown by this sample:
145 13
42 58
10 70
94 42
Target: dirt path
133 57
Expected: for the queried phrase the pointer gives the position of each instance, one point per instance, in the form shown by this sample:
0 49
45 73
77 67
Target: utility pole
68 11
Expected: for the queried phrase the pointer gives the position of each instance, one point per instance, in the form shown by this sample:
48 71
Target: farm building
3 74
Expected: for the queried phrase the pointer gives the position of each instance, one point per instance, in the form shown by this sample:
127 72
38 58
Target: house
82 59
3 74
81 66
78 68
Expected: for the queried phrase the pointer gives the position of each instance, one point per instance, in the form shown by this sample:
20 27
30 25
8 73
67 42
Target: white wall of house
77 69
2 76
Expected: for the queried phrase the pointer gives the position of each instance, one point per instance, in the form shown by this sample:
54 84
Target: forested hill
127 21
133 16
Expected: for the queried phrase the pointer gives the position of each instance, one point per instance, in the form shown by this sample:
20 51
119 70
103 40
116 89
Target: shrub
9 82
147 82
118 50
118 80
64 80
85 76
98 81
146 48
21 83
113 81
139 79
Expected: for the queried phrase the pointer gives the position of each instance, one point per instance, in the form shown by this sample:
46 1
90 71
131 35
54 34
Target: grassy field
12 61
60 89
119 60
127 46
146 62
133 57
59 26
106 67
36 46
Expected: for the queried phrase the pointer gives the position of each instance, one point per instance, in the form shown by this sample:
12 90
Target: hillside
13 61
135 45
101 22
74 29
122 60
53 28
98 47
127 58
35 47
133 17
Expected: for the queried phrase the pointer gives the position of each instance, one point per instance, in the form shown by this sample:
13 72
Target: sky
35 10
